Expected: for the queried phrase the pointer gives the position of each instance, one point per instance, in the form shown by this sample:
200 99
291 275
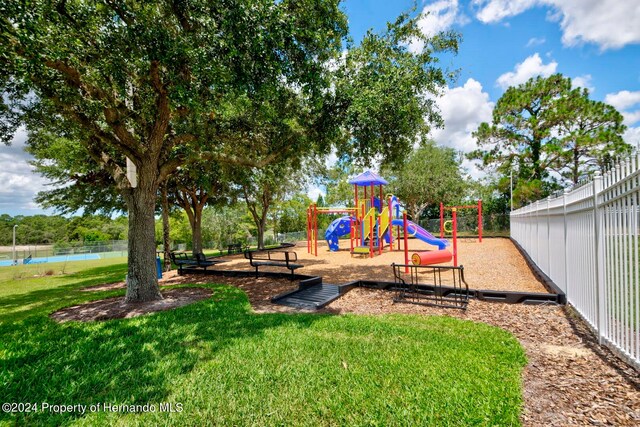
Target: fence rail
74 248
586 241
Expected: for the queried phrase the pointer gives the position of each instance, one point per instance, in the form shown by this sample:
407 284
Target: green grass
229 366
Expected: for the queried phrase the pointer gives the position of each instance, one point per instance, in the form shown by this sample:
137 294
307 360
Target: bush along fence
586 241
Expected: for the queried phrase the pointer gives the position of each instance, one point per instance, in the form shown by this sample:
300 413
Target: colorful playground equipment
446 226
442 254
370 225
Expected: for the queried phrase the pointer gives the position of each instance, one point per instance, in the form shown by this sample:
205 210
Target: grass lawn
228 366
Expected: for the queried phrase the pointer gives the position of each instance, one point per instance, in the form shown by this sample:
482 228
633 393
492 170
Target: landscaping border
305 282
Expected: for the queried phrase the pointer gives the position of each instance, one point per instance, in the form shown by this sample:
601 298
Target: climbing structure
372 219
370 224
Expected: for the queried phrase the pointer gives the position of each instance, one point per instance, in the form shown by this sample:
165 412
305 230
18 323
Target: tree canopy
431 175
131 91
145 82
387 91
544 126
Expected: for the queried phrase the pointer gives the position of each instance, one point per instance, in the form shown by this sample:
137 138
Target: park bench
273 258
182 259
236 248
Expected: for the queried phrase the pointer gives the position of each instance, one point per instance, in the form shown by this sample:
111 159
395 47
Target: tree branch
159 129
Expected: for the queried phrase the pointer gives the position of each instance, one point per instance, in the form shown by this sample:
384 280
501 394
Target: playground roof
368 178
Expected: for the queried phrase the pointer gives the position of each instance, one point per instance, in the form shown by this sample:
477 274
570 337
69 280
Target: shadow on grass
64 291
131 361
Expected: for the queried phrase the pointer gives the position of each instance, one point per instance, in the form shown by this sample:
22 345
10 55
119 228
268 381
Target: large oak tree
143 81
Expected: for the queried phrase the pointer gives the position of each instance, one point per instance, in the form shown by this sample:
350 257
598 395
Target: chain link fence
65 250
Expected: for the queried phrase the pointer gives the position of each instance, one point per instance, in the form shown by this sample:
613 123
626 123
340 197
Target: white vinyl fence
586 241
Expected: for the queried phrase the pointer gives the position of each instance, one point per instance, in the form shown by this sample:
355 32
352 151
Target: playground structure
370 225
443 254
453 209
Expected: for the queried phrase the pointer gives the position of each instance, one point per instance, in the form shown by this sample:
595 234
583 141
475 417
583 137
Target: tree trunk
260 226
535 159
142 281
576 166
196 230
166 228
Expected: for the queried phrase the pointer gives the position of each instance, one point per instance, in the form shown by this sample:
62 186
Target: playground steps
361 250
313 297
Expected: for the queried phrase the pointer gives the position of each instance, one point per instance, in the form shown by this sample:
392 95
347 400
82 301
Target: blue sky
505 42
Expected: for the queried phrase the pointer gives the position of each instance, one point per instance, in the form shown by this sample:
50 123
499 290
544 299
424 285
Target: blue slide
337 228
414 229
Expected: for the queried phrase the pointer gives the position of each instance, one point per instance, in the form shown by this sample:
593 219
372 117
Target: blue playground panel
58 258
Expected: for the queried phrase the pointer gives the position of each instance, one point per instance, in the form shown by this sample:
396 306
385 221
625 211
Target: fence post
566 243
599 265
548 239
537 258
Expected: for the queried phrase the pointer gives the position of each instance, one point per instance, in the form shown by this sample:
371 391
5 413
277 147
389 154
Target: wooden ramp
312 297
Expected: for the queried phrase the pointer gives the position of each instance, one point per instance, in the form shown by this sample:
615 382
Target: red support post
352 233
406 246
315 228
365 197
390 225
355 187
371 237
441 220
480 220
357 212
455 237
309 230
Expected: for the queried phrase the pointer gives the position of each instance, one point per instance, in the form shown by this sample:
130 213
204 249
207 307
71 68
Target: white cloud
463 108
624 101
490 11
632 136
314 191
535 41
20 183
631 117
610 24
438 16
530 67
583 81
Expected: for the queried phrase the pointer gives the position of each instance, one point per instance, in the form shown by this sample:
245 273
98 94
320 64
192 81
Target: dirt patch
104 287
260 290
116 308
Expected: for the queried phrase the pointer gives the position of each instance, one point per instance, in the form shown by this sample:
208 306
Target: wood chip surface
493 264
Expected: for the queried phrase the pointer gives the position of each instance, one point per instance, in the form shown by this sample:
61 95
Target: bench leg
256 272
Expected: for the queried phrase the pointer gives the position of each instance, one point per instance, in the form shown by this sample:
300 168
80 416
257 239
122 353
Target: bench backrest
272 255
234 248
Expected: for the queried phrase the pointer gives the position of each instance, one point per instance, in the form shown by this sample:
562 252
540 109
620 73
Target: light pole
14 244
